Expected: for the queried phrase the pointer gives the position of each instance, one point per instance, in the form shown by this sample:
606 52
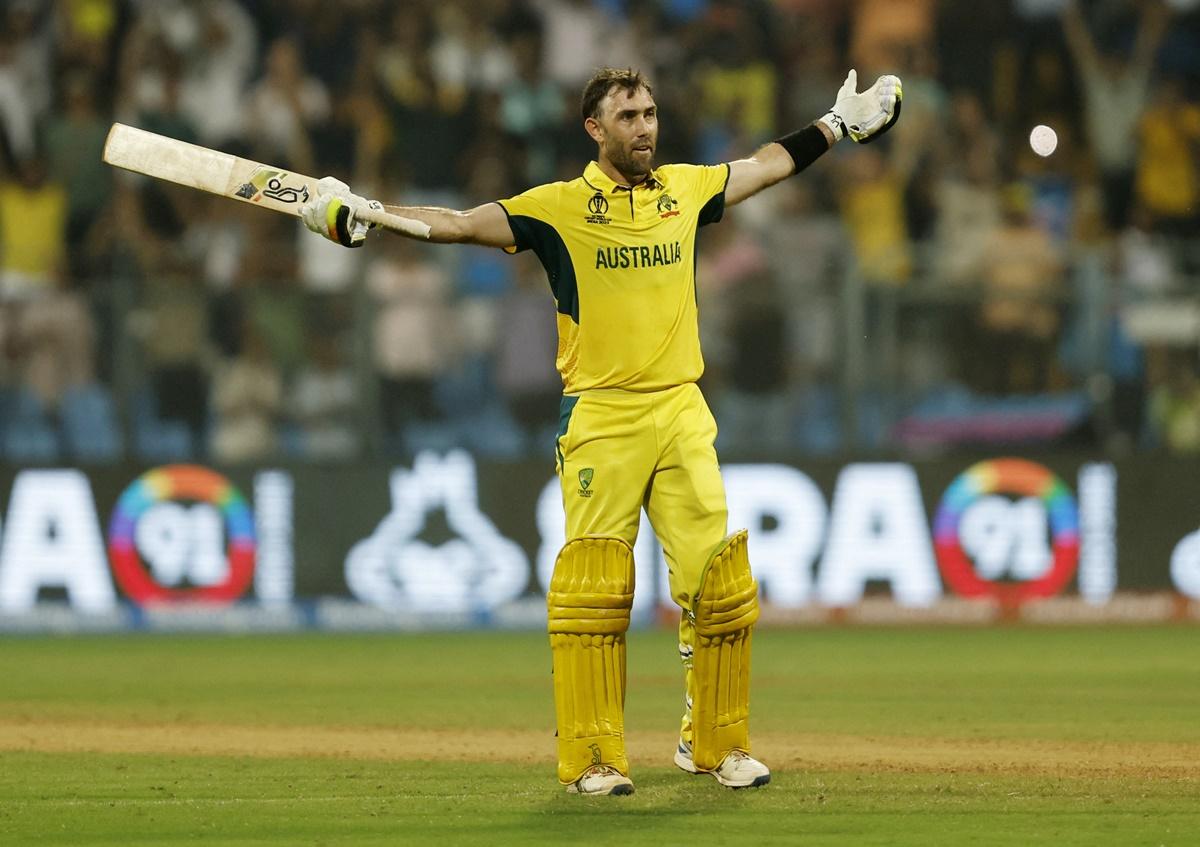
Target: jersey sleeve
529 213
711 181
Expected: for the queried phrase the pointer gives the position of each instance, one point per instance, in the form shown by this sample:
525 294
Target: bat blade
207 170
210 170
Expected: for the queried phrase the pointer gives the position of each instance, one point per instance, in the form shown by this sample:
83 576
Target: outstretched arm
344 217
863 117
770 164
1079 39
1153 27
486 225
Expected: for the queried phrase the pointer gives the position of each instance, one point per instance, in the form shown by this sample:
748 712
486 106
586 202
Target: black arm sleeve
805 146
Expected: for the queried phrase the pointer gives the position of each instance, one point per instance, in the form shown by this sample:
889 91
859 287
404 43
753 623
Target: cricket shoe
737 770
601 779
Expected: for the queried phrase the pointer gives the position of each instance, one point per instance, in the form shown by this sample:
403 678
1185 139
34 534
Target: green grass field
1008 735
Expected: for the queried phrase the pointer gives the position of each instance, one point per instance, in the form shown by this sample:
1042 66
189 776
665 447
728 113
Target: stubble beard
631 167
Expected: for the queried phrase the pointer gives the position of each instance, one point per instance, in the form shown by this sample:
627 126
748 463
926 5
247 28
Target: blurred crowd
945 286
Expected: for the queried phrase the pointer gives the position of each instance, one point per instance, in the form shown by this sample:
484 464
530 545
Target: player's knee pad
589 602
724 611
591 589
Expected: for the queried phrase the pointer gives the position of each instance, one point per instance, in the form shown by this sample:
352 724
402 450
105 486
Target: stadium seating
90 428
157 439
29 433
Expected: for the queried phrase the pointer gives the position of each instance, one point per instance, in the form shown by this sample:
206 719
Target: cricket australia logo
271 183
668 206
585 482
598 207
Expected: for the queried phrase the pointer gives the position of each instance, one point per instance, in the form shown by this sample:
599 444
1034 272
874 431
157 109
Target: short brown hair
604 81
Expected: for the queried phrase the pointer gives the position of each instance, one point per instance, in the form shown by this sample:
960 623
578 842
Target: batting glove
864 117
331 213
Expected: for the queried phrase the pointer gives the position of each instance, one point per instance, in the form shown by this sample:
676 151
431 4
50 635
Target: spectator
485 277
149 89
873 211
526 353
738 304
29 26
1018 319
47 329
738 87
33 231
1175 405
1146 264
756 412
469 51
531 108
323 402
886 30
220 58
431 115
412 337
918 154
54 338
247 399
276 308
579 37
732 257
283 105
74 145
805 247
1115 95
1168 170
85 31
968 206
322 32
157 107
172 331
813 65
17 117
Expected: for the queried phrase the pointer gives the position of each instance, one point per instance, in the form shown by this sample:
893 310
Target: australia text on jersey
644 256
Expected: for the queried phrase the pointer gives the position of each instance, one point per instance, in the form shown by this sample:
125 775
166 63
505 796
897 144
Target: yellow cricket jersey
622 266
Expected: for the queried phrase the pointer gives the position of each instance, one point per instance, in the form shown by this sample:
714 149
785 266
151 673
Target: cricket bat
230 176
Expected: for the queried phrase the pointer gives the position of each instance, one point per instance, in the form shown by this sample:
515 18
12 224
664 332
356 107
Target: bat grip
395 223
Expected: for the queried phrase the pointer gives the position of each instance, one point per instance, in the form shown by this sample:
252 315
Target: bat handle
396 223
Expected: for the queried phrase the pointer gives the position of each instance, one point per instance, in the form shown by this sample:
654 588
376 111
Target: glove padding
864 117
332 213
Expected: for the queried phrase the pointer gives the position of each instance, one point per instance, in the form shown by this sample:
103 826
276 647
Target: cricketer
619 244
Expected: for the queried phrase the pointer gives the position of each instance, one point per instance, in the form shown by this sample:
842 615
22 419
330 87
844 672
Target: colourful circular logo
1012 477
172 483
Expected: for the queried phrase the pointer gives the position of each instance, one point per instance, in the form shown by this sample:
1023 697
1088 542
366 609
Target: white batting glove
332 213
864 117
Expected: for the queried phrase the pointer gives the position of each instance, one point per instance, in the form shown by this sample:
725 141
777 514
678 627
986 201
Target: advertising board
448 540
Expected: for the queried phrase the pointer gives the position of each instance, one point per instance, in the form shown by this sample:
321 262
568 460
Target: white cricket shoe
737 770
601 779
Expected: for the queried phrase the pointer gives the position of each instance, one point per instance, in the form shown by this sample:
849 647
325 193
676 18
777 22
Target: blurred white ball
1043 140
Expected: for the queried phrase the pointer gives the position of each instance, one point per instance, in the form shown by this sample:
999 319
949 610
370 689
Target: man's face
628 131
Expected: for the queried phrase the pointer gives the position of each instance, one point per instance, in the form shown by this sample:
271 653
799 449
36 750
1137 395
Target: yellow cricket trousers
621 450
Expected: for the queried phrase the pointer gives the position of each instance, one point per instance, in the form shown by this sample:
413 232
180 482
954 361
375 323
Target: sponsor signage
182 524
455 539
993 522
